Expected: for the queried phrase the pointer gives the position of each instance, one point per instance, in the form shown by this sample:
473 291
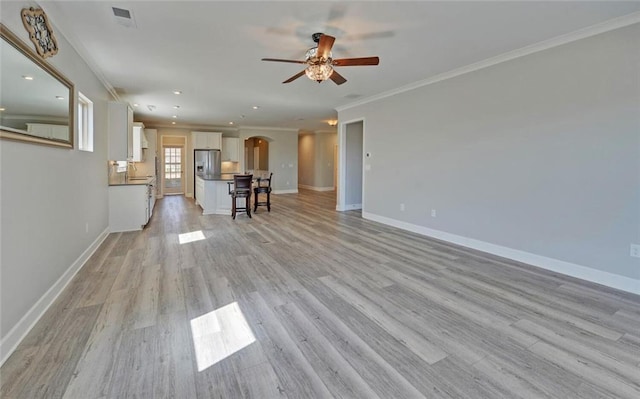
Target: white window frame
85 123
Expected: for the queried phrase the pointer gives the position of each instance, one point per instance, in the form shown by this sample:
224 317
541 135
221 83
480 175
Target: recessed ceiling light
176 106
173 123
255 107
177 92
135 104
27 77
174 116
231 123
1 109
60 97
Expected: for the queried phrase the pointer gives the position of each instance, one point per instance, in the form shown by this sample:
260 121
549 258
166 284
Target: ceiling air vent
124 17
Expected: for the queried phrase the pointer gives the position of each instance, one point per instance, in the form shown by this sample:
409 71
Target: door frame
183 158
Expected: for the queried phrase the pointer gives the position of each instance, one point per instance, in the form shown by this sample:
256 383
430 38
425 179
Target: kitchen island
212 193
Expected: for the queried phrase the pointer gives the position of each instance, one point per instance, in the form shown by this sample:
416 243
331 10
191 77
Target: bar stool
241 189
262 188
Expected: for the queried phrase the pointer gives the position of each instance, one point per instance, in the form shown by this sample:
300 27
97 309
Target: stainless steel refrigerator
206 162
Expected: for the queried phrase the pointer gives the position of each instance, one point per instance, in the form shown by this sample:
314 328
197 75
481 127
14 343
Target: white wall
537 157
283 155
48 198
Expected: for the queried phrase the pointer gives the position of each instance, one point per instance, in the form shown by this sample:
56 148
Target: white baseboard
570 269
292 191
350 207
13 338
314 188
189 195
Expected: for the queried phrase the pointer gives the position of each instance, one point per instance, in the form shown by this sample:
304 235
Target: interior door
173 170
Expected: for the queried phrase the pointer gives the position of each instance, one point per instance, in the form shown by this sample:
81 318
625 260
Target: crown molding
269 128
603 27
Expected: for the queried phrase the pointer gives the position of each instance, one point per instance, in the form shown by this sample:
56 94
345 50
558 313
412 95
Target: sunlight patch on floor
219 334
192 236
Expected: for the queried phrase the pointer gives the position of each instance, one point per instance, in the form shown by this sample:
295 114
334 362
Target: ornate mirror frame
20 135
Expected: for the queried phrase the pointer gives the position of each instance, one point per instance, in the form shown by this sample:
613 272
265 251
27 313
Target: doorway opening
351 176
256 155
173 165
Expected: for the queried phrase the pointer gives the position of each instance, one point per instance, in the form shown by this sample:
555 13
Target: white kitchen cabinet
120 131
230 149
139 143
206 140
128 207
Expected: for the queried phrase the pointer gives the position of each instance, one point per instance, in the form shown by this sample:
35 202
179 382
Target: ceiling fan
320 64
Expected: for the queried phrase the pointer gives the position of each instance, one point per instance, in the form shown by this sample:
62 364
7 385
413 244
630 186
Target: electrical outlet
635 250
402 207
433 213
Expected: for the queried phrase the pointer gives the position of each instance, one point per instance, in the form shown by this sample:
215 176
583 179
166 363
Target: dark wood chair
263 186
241 189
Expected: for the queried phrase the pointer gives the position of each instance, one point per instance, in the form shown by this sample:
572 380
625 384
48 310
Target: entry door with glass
173 170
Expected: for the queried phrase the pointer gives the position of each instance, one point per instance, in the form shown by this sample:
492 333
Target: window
172 163
85 123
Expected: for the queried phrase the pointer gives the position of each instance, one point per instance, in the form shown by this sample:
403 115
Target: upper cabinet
206 140
120 128
139 143
230 149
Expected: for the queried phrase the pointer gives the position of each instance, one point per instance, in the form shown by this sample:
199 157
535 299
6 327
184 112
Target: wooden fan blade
337 78
324 45
356 61
279 60
294 77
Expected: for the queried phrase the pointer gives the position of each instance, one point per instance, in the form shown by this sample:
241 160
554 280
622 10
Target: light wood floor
306 302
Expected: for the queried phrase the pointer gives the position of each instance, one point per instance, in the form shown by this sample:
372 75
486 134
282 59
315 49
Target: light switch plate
635 250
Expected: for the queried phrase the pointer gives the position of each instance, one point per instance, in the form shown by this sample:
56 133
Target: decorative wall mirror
37 102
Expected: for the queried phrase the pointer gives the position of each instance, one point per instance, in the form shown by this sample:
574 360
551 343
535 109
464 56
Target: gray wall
283 155
49 194
539 154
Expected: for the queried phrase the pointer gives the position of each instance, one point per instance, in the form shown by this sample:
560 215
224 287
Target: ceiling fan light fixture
319 72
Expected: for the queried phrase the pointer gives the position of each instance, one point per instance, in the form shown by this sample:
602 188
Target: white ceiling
212 50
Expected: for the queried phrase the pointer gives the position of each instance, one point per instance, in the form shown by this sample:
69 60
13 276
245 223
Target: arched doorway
256 154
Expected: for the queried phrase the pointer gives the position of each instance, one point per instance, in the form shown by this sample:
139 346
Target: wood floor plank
295 374
131 377
429 352
336 373
93 374
174 370
588 371
386 381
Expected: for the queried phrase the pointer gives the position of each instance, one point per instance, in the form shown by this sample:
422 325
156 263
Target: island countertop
220 177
